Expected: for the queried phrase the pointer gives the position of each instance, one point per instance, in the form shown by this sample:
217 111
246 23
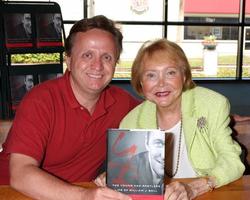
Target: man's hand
101 180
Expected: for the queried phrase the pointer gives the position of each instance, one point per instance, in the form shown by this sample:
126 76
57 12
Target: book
49 30
18 30
20 85
136 162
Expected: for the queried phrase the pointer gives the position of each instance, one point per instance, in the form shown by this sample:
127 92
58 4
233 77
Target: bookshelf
28 29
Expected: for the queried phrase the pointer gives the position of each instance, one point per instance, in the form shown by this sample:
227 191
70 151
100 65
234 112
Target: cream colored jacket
205 114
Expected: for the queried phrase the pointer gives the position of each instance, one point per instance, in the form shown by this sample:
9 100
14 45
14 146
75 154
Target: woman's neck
167 118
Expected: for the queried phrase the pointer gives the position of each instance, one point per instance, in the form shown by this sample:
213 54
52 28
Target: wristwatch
210 184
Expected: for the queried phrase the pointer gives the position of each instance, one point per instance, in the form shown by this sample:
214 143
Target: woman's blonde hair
171 50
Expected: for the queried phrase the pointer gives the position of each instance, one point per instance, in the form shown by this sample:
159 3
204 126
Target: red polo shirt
53 128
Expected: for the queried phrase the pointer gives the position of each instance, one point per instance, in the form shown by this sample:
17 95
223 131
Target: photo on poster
20 85
49 29
45 77
18 30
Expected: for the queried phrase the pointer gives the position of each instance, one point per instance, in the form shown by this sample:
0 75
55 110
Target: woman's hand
178 190
101 180
187 191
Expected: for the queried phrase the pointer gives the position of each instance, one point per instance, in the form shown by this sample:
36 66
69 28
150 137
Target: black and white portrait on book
20 85
137 158
18 27
49 26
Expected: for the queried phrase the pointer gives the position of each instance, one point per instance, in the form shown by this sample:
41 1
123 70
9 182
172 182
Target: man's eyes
104 57
87 55
107 57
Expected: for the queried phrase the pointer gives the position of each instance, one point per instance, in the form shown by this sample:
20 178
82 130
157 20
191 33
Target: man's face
57 22
156 147
27 22
28 81
92 61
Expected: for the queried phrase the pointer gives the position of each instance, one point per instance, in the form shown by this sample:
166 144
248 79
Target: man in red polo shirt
59 131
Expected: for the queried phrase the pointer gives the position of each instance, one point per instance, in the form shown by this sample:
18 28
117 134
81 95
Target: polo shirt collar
106 99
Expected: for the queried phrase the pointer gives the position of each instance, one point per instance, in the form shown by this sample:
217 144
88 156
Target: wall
238 92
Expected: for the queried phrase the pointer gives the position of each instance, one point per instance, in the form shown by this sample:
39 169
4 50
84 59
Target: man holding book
58 136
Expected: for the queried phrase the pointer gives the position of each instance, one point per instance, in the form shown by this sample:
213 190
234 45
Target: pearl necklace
178 155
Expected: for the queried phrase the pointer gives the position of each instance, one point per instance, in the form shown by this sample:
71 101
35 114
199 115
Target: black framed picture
18 30
20 85
49 29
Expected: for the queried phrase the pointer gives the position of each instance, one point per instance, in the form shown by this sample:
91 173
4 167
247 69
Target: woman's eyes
151 75
171 72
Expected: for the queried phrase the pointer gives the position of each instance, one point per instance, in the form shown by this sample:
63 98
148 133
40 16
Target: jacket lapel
189 117
147 116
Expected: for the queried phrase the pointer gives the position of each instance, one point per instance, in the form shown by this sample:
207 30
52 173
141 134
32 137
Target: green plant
209 42
36 58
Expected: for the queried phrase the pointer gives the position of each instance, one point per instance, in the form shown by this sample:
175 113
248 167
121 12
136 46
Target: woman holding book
198 117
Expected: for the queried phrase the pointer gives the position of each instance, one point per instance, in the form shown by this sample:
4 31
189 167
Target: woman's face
162 81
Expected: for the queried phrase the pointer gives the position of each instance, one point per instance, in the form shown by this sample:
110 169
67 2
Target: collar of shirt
106 98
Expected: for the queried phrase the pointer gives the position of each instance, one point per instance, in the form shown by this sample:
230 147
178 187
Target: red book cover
20 85
136 162
18 30
49 30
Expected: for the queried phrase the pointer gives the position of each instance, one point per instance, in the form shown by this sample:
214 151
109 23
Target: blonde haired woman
198 118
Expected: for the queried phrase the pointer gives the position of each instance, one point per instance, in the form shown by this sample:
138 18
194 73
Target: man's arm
28 178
